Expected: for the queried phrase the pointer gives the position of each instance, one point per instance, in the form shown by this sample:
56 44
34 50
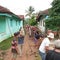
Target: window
43 23
16 22
19 22
11 23
2 24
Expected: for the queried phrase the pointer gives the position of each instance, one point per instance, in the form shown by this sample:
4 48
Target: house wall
11 25
2 24
41 25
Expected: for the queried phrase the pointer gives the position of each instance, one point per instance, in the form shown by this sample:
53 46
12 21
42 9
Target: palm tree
30 11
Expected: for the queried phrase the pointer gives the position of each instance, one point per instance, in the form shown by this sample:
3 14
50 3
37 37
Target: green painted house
9 23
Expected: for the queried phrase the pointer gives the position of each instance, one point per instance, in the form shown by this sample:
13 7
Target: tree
32 21
30 11
53 22
26 21
32 16
55 10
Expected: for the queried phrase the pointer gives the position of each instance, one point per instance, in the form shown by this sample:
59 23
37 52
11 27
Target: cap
51 35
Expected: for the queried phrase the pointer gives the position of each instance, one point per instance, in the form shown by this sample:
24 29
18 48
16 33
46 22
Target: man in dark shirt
54 54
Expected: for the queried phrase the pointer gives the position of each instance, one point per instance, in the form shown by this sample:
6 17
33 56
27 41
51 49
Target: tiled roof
44 12
41 13
21 17
4 10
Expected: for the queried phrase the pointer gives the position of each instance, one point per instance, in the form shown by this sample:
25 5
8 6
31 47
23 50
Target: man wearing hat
44 47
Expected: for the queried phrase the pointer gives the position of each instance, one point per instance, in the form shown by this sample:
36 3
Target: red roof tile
44 12
4 10
41 13
21 17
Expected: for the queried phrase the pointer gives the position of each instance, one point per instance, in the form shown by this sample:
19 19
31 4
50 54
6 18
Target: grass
6 44
38 57
1 59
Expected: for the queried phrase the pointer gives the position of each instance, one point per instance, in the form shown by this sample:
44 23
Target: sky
20 6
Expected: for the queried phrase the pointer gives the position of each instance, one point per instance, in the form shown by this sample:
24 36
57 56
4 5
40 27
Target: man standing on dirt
44 47
21 40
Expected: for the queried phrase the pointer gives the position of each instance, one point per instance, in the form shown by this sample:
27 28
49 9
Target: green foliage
55 8
6 44
37 56
53 22
32 18
1 59
32 21
30 11
26 21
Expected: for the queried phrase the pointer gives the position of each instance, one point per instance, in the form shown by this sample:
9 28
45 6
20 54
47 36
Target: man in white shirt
44 47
